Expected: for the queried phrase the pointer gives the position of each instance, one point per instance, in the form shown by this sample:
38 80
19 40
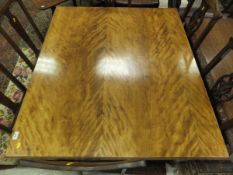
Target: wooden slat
31 20
12 78
8 103
13 20
6 6
16 48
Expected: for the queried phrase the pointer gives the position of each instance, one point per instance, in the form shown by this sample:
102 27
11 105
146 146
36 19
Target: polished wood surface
120 83
44 4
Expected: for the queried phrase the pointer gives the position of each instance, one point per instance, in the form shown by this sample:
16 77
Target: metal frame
222 91
196 21
223 52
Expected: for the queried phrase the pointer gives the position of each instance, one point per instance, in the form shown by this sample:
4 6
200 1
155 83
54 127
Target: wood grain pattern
44 4
120 83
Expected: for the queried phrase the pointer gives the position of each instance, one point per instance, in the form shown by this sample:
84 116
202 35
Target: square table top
116 83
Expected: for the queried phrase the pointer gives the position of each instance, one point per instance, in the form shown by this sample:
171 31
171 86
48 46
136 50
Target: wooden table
116 83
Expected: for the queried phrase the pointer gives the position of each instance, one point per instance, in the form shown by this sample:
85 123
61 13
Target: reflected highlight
120 67
188 67
46 65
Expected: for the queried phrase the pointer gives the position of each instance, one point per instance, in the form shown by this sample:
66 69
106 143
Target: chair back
15 23
193 23
222 90
5 11
226 49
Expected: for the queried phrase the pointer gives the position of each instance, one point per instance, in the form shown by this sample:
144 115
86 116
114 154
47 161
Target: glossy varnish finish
118 83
